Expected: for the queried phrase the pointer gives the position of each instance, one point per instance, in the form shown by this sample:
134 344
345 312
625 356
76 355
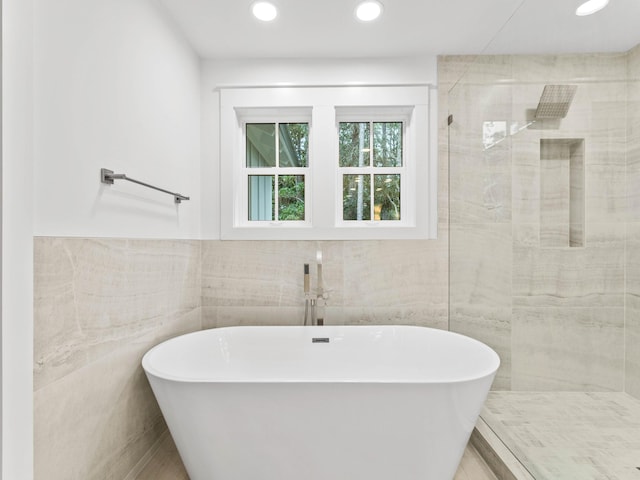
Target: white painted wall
17 239
115 87
291 72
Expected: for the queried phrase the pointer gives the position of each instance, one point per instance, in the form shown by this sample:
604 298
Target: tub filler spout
314 301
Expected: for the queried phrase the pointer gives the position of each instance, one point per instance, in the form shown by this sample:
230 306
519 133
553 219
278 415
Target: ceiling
220 29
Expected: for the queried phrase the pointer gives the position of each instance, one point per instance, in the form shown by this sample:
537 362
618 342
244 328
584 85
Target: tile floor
166 465
569 435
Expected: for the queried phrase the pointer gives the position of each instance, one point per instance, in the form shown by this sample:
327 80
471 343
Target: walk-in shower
544 229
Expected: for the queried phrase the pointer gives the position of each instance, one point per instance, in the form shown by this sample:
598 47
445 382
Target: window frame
323 108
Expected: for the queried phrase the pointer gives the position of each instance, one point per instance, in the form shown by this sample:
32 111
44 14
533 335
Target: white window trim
327 106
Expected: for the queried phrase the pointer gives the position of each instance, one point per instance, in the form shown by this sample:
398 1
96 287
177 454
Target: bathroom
94 275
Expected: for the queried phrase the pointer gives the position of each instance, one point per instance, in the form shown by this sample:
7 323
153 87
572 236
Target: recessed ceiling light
591 7
368 11
264 11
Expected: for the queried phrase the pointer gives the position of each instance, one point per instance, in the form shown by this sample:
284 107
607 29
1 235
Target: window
326 163
276 167
370 162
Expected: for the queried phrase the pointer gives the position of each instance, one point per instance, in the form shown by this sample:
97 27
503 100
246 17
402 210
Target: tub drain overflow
320 340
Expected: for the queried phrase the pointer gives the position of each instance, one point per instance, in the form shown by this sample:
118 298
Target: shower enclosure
544 226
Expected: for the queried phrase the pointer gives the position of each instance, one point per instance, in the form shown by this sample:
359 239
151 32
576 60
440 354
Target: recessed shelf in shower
562 192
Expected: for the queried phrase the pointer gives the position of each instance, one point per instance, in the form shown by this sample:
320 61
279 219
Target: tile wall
480 205
100 304
555 314
632 378
369 282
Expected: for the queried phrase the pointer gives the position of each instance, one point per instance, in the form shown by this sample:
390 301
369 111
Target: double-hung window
276 168
326 163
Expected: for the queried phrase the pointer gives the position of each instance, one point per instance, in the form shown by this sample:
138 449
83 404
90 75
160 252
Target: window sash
276 172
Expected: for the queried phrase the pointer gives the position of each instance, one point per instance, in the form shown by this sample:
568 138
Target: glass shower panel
543 245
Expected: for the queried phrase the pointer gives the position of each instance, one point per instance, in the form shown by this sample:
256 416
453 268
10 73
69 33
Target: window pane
291 197
294 144
261 145
261 197
387 144
355 150
386 197
356 197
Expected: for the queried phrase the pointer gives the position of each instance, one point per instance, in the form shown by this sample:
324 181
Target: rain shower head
555 101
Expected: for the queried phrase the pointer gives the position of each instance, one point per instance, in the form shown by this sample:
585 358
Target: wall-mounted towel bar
107 176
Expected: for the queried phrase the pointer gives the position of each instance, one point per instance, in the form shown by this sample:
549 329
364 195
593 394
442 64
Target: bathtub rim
481 375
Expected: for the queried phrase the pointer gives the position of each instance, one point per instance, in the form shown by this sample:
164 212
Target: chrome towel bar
107 176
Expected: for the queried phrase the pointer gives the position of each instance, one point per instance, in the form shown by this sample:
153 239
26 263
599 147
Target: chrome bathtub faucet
314 301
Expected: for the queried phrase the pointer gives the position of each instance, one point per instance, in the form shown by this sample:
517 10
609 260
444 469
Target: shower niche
562 198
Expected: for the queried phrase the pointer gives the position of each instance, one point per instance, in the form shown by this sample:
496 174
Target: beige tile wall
632 380
100 304
540 307
369 282
481 206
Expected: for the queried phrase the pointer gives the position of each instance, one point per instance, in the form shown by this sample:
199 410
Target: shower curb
503 463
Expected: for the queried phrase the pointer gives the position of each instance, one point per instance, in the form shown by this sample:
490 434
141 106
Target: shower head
555 101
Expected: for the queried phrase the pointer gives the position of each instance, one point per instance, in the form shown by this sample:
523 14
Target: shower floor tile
569 435
166 465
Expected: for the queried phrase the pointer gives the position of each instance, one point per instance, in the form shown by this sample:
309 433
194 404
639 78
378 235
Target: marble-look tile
209 317
632 340
479 162
570 349
565 68
525 147
633 135
92 295
165 464
395 274
434 317
398 275
632 259
267 273
451 68
216 317
484 70
606 198
486 199
455 72
480 265
633 164
554 196
567 435
428 316
98 421
633 63
572 277
491 326
632 313
100 304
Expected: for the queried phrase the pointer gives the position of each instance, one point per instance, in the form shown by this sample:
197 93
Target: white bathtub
272 403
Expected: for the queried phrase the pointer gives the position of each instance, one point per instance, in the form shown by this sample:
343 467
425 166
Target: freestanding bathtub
321 403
